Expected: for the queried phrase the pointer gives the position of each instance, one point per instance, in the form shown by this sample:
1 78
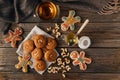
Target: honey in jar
71 39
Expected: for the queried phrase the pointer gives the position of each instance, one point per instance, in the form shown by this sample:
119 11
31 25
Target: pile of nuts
62 63
55 31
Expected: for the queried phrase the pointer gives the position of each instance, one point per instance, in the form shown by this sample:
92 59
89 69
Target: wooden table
104 31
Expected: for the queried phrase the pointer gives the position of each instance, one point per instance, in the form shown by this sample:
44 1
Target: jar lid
84 42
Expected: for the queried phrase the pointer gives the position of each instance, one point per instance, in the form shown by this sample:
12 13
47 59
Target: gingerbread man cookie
69 21
80 59
24 61
14 36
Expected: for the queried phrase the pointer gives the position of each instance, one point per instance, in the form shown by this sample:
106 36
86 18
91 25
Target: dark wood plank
69 76
103 60
84 13
101 34
104 31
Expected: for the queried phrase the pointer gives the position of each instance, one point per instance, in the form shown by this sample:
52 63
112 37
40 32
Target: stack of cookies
41 50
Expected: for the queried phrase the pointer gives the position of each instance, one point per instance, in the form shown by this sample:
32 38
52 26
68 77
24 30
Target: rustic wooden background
104 31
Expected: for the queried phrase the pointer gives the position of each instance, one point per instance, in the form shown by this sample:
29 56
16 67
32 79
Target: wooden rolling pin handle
83 26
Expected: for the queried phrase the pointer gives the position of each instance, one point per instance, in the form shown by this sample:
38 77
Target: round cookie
51 43
28 45
39 40
50 55
37 54
39 65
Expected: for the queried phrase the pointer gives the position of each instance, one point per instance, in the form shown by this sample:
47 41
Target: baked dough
28 46
50 55
39 40
51 43
39 65
37 54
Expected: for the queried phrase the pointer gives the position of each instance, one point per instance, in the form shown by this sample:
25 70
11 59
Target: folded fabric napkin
14 11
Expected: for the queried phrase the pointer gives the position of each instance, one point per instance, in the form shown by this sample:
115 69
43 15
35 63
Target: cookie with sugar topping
39 40
37 54
28 46
51 43
50 55
39 65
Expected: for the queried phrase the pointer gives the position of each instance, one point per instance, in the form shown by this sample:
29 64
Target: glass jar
47 10
70 38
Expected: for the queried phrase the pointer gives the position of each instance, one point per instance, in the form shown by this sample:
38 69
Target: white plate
35 30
